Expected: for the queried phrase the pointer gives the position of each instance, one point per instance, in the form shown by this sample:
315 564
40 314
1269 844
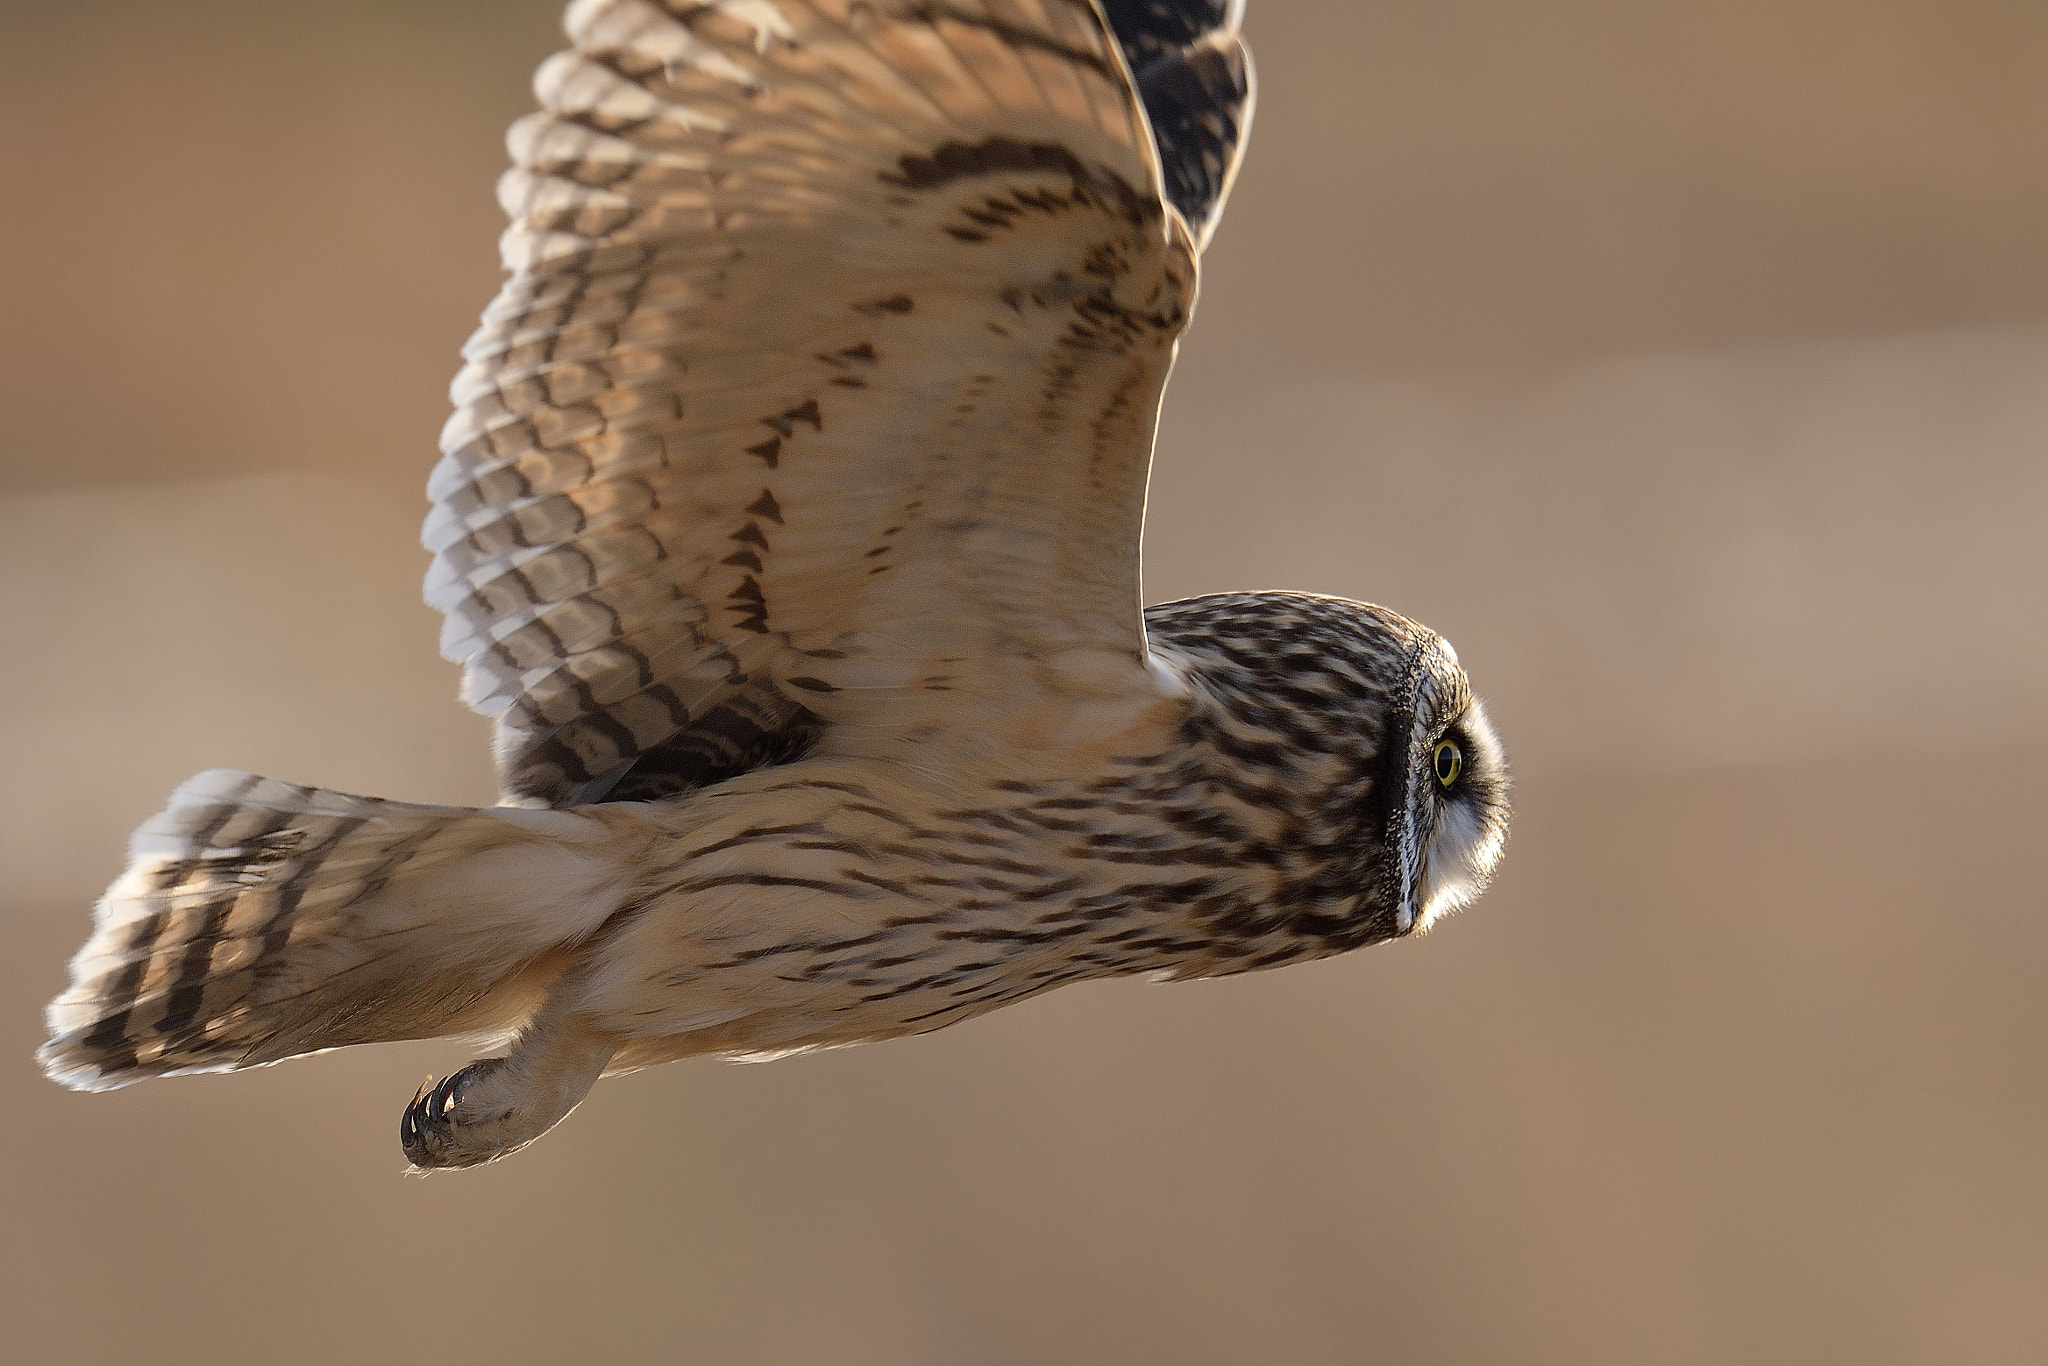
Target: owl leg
499 1105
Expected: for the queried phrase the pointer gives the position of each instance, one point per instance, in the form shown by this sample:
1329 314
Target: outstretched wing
825 378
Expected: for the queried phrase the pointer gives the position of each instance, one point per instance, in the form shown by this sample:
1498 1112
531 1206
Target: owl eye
1449 762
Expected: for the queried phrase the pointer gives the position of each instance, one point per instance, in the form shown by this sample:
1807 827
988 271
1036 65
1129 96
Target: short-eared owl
787 525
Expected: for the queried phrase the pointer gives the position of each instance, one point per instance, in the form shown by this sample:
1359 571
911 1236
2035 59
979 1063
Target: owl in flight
787 526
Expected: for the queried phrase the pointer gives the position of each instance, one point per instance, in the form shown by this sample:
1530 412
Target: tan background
1684 363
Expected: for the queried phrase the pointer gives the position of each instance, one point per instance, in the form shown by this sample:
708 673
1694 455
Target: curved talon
497 1106
427 1129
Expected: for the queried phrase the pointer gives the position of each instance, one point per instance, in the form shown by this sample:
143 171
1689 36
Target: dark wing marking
755 728
1195 76
1150 30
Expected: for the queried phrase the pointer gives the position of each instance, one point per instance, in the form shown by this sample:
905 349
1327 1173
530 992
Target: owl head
1363 771
1447 788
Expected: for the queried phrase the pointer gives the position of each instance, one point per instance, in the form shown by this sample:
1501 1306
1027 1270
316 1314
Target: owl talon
427 1131
499 1105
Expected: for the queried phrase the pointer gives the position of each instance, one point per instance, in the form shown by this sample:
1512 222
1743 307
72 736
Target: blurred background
1686 365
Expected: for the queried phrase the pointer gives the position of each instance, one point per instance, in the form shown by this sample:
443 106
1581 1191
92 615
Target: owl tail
258 920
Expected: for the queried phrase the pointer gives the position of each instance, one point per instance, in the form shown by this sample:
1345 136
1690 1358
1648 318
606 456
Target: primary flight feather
787 526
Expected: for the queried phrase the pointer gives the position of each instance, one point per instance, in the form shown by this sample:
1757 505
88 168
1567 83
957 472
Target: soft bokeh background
1686 364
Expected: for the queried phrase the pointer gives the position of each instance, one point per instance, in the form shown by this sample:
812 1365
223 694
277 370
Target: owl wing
1194 75
826 372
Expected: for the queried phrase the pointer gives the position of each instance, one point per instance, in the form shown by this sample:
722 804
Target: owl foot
445 1126
499 1105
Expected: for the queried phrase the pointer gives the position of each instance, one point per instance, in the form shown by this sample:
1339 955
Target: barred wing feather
825 376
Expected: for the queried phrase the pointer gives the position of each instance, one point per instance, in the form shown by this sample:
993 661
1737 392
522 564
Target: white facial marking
1463 850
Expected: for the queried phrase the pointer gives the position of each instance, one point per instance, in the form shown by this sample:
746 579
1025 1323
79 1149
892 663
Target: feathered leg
499 1105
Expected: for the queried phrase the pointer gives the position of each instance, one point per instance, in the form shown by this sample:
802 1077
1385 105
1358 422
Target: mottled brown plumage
788 527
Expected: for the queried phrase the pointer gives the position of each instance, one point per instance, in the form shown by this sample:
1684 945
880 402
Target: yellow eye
1448 762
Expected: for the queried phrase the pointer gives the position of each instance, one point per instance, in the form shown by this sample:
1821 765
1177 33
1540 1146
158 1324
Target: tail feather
258 919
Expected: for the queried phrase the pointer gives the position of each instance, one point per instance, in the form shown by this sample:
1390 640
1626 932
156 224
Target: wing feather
823 380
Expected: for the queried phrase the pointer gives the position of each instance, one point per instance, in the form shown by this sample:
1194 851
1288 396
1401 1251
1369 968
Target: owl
787 527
